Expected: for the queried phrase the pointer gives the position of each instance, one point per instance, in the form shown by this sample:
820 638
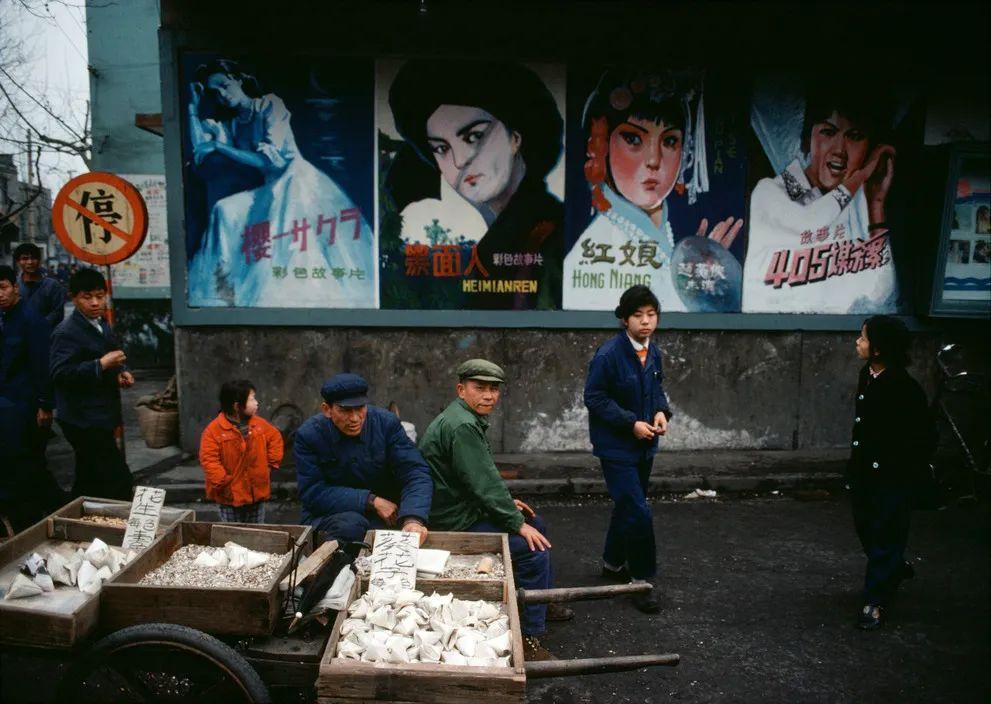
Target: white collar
95 322
636 345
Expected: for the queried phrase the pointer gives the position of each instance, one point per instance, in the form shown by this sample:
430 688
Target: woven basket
158 428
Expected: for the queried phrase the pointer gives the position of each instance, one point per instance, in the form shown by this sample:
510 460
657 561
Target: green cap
481 370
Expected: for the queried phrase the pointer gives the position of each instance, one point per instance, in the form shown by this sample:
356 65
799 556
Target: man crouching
356 468
469 494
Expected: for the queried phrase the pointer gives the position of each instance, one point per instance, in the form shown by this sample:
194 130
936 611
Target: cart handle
597 666
564 594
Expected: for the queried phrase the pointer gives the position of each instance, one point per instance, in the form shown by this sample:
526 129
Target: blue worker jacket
85 394
619 391
25 385
45 297
335 473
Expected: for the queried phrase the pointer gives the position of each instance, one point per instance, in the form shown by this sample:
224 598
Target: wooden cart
184 644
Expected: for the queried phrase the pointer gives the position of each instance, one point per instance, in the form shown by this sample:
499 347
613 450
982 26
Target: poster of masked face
471 183
656 179
824 222
278 176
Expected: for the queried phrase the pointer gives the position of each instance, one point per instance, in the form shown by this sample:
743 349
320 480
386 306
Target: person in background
627 412
27 490
40 292
408 427
893 438
89 369
238 451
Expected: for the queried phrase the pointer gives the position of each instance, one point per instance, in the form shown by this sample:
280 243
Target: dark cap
481 370
345 390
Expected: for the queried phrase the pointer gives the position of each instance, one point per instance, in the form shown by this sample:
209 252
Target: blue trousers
882 516
345 526
531 570
630 538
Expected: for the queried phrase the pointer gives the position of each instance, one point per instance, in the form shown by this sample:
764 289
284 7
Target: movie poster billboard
147 271
471 184
967 275
824 214
656 188
278 160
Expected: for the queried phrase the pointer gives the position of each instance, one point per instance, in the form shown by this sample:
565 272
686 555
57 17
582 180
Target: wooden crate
347 681
58 619
67 524
217 610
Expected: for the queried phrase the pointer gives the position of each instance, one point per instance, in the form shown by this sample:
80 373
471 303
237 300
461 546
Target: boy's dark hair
28 248
86 279
633 299
236 391
889 340
7 274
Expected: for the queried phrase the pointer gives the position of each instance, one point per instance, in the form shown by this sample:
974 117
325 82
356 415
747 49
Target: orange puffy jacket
237 467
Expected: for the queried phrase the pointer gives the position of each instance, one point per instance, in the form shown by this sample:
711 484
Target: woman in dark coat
893 438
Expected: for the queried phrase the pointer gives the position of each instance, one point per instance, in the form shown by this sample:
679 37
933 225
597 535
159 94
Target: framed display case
962 276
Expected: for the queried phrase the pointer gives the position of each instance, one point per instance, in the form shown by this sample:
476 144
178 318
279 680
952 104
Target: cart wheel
162 662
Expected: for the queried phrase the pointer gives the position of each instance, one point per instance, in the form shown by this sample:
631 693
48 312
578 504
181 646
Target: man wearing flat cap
469 494
357 469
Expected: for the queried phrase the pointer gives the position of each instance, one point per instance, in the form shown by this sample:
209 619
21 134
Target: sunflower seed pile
179 571
111 521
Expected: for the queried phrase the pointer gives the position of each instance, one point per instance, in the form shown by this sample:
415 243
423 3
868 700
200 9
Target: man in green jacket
469 494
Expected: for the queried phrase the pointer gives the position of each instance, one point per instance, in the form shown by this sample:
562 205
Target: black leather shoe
559 612
869 618
647 602
620 576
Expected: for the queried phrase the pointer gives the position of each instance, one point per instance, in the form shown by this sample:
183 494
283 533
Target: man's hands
524 509
413 526
533 537
125 380
386 510
114 359
44 418
643 430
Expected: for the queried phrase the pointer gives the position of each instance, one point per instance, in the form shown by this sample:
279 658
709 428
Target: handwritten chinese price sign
142 524
394 561
100 218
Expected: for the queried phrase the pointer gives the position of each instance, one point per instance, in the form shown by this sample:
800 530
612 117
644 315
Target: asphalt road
760 597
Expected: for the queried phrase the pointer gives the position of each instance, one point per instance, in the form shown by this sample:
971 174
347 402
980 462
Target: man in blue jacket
88 368
627 412
27 489
357 469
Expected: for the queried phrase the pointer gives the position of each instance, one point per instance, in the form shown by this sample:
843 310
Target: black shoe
620 576
906 571
869 618
647 602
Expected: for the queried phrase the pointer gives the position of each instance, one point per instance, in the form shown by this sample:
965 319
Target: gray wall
729 390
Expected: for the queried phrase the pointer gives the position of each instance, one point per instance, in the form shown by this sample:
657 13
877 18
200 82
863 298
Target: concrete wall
729 390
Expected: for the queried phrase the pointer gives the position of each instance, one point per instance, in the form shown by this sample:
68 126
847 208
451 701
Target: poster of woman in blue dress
656 178
278 183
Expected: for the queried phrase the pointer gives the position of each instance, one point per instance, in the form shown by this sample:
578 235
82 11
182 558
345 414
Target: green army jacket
467 485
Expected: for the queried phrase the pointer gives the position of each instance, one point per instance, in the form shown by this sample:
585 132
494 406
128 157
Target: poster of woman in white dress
824 230
278 183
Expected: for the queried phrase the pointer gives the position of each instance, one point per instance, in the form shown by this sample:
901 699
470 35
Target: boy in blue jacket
627 412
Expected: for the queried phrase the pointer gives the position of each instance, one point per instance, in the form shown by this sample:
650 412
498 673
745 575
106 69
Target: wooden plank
76 530
457 543
282 673
509 598
472 589
313 563
263 540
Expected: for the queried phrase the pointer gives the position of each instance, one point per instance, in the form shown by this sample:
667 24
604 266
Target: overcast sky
54 43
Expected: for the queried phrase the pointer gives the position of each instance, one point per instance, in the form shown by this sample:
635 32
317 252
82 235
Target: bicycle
976 454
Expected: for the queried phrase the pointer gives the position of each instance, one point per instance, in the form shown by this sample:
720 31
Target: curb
190 492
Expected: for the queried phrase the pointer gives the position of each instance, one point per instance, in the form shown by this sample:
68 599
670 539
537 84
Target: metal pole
119 430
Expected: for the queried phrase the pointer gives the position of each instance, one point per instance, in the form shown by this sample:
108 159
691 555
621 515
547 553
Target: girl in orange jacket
238 451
